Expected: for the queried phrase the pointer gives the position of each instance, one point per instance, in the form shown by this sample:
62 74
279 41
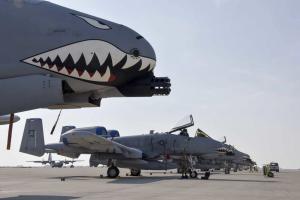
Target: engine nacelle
113 133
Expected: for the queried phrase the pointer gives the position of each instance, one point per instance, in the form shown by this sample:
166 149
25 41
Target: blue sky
234 65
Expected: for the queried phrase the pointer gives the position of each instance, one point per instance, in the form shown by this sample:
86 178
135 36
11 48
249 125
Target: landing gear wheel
271 174
72 166
227 171
206 176
184 175
193 174
113 172
179 171
135 172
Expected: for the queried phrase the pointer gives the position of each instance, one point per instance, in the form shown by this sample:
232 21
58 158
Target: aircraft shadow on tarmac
39 197
124 180
243 180
142 180
152 179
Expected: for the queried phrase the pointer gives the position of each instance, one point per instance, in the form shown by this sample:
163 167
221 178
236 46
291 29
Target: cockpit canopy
183 124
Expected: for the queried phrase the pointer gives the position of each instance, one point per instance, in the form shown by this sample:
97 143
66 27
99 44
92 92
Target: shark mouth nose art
91 60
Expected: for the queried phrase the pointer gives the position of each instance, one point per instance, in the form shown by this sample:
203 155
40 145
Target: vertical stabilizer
33 138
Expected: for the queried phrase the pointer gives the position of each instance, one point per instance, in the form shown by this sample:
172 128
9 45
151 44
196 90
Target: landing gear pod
29 92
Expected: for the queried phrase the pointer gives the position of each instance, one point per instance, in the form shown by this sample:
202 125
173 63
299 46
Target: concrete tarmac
85 184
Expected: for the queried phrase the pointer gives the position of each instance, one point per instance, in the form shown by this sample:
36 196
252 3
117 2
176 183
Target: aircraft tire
227 171
179 171
206 176
113 172
135 172
271 174
193 174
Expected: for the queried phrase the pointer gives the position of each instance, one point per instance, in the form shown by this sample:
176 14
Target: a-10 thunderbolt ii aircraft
55 57
55 163
236 161
226 157
140 152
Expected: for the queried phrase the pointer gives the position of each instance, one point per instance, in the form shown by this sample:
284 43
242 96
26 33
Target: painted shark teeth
90 60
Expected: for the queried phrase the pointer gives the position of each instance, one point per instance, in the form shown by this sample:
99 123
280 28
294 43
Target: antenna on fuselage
10 129
55 124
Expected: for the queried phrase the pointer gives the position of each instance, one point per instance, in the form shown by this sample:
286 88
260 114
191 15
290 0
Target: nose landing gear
187 167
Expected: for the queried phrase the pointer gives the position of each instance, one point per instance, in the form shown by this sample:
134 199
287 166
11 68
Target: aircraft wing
71 161
102 145
42 162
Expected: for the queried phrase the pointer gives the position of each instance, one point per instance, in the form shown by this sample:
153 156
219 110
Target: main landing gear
206 176
135 172
113 172
193 174
227 170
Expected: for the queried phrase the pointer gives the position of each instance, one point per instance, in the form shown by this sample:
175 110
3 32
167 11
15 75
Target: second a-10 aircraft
227 158
54 57
159 151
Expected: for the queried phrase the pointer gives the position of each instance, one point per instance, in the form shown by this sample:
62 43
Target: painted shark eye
135 52
95 23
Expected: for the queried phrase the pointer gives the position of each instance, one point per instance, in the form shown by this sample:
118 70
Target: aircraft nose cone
135 44
146 53
145 49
